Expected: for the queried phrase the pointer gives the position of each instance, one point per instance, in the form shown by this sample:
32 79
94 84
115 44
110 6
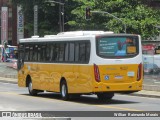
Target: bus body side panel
21 77
28 70
48 77
83 80
78 78
44 81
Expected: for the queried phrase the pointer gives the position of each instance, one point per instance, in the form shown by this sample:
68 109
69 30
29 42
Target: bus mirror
16 54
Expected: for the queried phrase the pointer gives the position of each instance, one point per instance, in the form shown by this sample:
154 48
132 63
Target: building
11 20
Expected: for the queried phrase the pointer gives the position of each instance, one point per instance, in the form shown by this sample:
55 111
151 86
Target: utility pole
60 17
103 12
61 14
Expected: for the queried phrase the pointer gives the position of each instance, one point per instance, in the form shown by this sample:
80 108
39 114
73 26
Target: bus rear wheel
31 90
64 91
105 96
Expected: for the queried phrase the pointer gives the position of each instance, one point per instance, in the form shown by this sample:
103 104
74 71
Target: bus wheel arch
64 89
28 79
31 91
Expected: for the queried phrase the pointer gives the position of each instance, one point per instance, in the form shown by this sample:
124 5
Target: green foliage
139 18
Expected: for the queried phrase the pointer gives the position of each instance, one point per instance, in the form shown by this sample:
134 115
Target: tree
139 18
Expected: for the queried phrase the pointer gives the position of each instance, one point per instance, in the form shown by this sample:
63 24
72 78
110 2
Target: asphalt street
14 98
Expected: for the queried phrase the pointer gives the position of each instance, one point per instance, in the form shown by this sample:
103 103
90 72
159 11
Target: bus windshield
117 46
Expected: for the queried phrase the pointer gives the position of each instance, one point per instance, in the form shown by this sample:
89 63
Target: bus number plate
118 77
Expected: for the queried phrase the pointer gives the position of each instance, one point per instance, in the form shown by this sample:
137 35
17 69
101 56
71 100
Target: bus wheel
31 90
64 91
105 96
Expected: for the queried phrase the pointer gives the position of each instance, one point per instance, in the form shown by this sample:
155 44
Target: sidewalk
7 72
146 93
9 80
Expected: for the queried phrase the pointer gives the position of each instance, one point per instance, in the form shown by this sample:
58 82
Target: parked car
151 69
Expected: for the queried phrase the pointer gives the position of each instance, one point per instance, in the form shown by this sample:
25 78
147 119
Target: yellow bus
81 62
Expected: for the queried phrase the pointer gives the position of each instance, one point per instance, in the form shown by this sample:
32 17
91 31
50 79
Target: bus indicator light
139 72
96 73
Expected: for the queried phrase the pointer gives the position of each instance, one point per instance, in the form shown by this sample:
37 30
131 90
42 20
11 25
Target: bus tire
64 90
32 92
105 96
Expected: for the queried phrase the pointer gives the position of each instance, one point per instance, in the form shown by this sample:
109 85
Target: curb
144 95
9 76
7 81
151 87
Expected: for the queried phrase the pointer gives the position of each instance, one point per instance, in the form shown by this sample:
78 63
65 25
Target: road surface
13 98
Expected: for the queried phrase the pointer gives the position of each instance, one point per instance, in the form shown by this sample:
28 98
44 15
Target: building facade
11 22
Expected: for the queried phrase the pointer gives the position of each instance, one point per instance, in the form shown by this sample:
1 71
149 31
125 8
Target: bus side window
51 53
87 51
20 52
48 49
54 52
61 52
31 53
77 52
35 52
82 55
39 53
84 52
43 53
26 53
66 52
71 52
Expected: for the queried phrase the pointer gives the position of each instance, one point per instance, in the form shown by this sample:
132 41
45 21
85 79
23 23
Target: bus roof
70 34
83 33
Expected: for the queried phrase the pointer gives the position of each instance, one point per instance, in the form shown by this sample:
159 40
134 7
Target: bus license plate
118 77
